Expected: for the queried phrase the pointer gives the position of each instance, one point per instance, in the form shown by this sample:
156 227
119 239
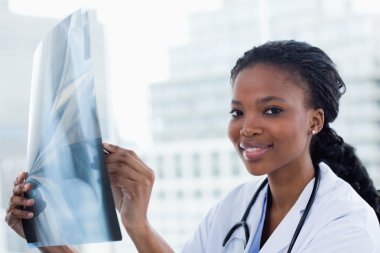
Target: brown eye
273 110
235 113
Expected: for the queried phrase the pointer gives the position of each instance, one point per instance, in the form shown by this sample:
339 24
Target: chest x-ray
73 200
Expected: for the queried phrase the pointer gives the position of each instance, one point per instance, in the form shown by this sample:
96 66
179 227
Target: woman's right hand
131 183
15 212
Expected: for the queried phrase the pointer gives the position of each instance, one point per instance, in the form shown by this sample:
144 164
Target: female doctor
316 197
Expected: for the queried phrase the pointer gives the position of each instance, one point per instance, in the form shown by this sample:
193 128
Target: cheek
233 130
295 135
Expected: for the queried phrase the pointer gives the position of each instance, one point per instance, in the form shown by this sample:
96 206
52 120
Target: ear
317 118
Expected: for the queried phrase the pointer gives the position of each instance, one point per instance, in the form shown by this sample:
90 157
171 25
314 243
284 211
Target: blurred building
190 110
190 177
19 37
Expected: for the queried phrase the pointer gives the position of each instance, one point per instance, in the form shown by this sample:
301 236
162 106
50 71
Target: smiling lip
252 151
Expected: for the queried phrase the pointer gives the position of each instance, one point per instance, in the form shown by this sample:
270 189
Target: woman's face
270 124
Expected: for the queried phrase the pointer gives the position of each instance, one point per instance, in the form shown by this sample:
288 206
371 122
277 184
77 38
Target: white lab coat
340 221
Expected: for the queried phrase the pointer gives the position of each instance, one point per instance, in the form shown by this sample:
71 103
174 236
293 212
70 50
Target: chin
256 173
255 169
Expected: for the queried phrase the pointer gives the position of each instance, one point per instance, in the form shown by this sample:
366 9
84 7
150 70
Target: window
177 166
196 165
198 194
160 167
235 166
216 193
179 194
215 166
161 194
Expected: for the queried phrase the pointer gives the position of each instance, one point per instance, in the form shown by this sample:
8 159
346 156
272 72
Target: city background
162 85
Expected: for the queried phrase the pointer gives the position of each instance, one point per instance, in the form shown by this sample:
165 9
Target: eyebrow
262 100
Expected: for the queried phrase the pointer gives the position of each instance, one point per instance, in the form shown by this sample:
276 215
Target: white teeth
252 149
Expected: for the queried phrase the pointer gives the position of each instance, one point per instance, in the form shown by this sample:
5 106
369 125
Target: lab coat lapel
281 237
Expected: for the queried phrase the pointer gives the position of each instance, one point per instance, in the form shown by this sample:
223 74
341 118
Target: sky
138 35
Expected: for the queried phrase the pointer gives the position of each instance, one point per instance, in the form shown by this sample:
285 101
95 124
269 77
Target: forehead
263 80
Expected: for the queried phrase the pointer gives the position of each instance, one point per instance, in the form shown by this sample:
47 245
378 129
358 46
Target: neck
287 184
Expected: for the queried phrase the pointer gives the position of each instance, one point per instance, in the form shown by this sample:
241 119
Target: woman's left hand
131 184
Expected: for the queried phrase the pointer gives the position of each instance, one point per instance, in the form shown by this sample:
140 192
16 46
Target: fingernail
31 201
30 215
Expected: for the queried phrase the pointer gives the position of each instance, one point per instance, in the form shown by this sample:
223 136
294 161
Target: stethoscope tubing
243 221
307 210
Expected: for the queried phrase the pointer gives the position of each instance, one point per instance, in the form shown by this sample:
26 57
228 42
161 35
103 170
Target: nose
250 130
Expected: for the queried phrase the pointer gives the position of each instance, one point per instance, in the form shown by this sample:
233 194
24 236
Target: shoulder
341 215
338 195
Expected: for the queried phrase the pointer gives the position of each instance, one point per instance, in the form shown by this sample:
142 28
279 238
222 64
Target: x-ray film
71 189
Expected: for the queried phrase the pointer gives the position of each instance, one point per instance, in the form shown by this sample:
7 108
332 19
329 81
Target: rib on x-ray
71 189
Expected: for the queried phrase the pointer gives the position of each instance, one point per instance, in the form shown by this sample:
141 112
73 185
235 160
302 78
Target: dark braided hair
316 74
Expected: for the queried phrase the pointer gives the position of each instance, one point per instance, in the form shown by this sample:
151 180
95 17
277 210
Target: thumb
110 148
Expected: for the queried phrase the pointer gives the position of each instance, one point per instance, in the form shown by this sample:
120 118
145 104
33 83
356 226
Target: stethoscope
243 221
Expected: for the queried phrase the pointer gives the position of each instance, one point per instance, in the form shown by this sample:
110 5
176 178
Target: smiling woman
284 95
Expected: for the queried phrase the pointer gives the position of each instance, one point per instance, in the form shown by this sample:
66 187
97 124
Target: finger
21 188
18 214
18 189
120 170
117 171
128 158
20 178
20 201
110 148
